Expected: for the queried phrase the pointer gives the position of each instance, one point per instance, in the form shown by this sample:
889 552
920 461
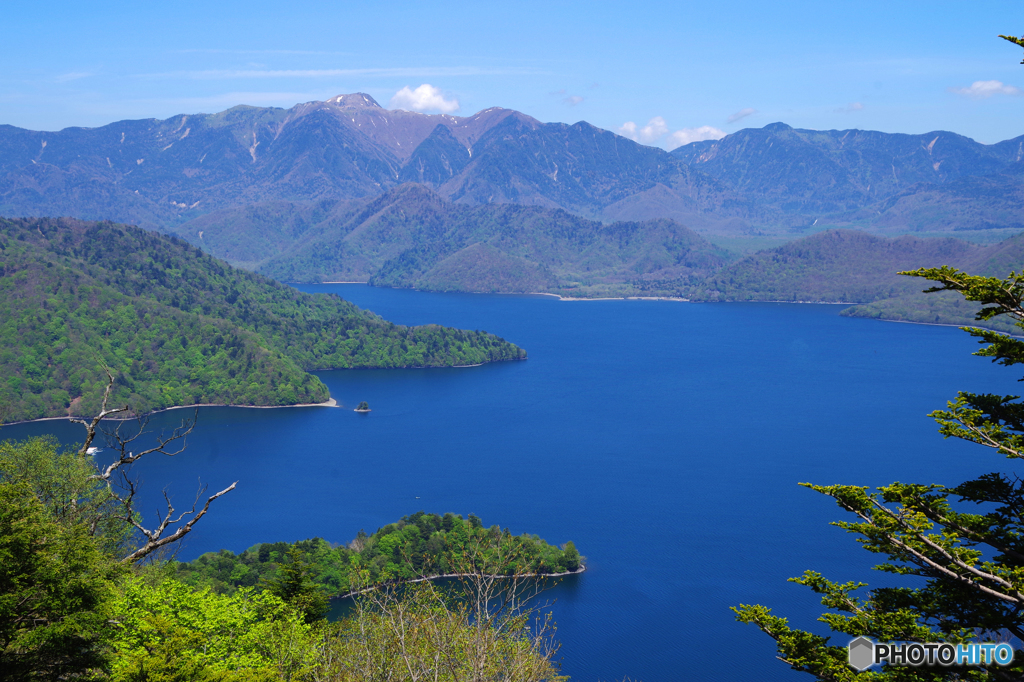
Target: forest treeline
419 545
179 327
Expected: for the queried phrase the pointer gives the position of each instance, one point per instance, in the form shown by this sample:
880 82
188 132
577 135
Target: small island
363 407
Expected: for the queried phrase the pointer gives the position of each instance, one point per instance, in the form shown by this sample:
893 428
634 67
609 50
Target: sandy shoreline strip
599 298
581 569
329 403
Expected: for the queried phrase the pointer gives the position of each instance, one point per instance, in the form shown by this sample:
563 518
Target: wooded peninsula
179 327
417 546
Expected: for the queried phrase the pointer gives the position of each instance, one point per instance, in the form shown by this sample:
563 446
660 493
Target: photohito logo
865 653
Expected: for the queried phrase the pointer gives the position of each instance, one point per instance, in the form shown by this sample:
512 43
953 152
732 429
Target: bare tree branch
168 445
90 427
121 443
155 539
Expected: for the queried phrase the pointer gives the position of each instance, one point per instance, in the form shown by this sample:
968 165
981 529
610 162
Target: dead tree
170 528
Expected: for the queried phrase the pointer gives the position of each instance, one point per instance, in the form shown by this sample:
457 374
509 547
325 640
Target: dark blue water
666 439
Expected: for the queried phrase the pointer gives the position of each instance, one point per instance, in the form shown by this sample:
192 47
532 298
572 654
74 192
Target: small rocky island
363 407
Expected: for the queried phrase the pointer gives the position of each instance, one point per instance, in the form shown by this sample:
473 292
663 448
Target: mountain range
935 182
774 180
160 173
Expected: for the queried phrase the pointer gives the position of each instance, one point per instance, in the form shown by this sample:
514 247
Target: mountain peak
777 127
357 100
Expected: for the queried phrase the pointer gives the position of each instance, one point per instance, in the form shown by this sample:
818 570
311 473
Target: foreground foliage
57 591
75 602
425 632
966 541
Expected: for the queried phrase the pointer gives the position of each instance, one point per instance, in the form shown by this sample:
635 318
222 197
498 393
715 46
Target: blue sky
675 70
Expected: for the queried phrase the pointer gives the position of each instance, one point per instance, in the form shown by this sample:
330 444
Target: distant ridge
412 237
895 183
847 266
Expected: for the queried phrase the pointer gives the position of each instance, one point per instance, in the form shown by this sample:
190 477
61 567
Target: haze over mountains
774 180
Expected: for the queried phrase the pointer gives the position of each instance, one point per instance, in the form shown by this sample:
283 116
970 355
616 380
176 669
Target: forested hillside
86 597
834 266
412 238
180 327
845 266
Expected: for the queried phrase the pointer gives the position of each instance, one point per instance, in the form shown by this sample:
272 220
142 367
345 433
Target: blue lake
666 439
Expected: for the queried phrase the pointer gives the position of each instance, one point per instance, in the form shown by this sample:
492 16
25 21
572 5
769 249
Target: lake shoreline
328 403
442 576
560 297
331 402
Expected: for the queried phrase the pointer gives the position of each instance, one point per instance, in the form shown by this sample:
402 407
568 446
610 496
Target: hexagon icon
862 653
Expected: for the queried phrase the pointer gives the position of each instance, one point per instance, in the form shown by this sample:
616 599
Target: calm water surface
665 439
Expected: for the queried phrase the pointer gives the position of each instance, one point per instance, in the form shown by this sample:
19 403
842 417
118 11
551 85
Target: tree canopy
964 542
178 327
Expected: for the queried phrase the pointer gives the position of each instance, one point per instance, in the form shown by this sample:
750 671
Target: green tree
294 585
170 631
68 533
571 558
1015 41
56 592
966 542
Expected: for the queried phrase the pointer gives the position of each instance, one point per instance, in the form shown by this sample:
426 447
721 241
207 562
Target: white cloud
688 135
985 89
424 98
657 128
654 129
573 100
852 106
741 114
